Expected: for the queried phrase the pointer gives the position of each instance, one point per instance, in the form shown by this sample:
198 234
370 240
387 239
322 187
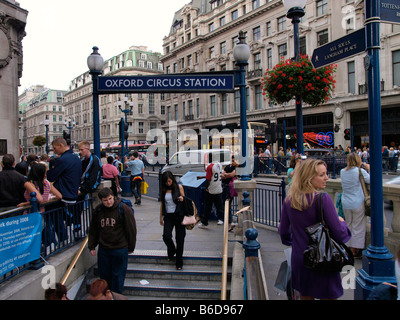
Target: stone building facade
202 37
12 31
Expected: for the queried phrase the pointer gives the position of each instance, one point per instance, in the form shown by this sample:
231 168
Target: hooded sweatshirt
112 230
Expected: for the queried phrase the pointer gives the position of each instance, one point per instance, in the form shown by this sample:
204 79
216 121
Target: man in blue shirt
136 167
65 171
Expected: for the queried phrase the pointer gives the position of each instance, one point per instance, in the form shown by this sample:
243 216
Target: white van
196 160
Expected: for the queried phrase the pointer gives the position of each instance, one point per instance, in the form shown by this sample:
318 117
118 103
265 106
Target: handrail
224 280
74 261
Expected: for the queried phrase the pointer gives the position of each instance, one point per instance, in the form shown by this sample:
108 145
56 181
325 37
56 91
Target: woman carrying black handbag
299 211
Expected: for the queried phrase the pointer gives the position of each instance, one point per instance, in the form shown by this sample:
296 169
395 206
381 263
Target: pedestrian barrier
63 225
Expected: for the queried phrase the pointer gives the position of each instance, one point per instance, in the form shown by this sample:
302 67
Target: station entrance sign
174 83
390 11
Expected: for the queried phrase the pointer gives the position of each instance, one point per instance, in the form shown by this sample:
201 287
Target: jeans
172 220
112 264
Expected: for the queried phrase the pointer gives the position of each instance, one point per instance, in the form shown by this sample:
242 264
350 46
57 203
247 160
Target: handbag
367 197
323 253
232 191
143 187
190 217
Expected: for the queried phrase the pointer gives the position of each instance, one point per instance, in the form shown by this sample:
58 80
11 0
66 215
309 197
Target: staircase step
189 257
168 271
173 289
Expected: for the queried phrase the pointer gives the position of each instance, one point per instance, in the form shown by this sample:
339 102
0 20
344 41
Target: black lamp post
295 10
95 63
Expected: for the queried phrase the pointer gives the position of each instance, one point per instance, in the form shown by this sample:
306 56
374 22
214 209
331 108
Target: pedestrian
228 176
65 172
171 216
110 172
213 193
89 181
295 162
12 184
353 201
299 211
58 293
136 167
113 230
99 290
38 183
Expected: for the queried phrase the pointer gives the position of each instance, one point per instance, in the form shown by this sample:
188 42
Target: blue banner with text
20 240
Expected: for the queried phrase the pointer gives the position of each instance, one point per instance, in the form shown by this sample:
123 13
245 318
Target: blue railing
62 226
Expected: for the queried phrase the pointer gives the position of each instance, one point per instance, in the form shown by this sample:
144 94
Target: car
196 160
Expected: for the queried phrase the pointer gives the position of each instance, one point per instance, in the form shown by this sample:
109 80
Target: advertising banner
20 240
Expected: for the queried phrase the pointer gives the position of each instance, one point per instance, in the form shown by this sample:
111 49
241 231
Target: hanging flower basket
39 141
290 79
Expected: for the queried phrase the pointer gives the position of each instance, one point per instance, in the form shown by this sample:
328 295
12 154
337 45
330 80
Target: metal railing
62 226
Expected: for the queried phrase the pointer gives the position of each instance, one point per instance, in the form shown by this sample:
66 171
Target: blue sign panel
20 241
191 82
390 11
342 48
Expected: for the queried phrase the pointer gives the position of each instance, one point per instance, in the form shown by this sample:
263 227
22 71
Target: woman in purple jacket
299 212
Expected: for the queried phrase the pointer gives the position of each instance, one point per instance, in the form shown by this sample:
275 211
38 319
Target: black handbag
323 253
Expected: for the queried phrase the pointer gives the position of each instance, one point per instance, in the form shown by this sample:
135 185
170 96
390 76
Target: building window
151 103
211 52
198 107
211 27
222 21
213 106
282 24
235 15
237 101
190 102
282 51
222 47
256 4
269 31
257 61
140 108
169 113
269 58
224 107
176 112
303 45
322 37
322 7
351 75
396 68
141 127
256 33
259 99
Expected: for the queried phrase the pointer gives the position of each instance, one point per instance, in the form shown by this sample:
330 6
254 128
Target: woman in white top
171 217
353 201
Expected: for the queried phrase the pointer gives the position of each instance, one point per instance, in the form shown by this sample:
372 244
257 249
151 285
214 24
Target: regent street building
201 39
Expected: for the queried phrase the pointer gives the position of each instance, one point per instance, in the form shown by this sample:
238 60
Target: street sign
177 83
342 48
390 11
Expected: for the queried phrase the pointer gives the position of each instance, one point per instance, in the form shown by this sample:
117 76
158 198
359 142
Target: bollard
126 186
251 245
34 202
246 199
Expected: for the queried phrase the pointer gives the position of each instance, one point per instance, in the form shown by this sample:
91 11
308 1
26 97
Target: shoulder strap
363 183
320 207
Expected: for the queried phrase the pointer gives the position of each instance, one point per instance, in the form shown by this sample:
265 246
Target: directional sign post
342 48
390 11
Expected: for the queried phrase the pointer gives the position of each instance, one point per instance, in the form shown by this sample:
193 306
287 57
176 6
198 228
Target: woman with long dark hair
171 217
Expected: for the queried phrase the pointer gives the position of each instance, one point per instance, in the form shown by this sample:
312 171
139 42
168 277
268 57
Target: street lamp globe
295 8
241 51
95 61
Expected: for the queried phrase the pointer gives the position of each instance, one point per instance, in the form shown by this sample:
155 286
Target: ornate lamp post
95 63
295 10
69 124
241 54
128 109
46 124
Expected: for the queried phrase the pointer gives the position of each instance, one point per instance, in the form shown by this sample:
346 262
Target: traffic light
123 130
273 132
347 134
67 137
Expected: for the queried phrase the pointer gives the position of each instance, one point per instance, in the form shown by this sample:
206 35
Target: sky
60 34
